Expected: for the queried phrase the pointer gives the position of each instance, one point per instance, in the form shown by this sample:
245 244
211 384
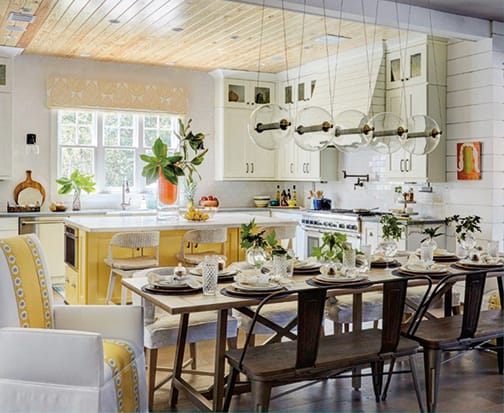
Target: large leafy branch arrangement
331 250
464 225
254 236
390 227
184 162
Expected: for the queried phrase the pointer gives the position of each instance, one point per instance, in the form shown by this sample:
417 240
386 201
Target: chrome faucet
125 190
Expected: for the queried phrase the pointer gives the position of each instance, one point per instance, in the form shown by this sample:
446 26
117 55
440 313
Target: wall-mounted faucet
360 179
125 190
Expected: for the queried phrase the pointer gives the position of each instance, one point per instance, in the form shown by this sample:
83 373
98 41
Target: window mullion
100 153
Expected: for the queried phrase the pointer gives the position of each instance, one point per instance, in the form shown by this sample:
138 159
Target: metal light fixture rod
399 131
433 133
283 125
350 131
324 126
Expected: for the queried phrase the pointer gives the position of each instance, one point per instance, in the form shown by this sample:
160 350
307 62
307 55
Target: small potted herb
391 233
465 227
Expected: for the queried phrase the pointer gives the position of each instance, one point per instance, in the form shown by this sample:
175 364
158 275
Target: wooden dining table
187 304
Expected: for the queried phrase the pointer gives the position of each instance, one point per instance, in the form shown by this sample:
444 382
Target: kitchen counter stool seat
133 243
197 237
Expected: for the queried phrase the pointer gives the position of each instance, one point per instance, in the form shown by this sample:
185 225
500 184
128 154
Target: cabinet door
406 67
247 94
259 162
309 162
370 234
52 238
235 134
287 162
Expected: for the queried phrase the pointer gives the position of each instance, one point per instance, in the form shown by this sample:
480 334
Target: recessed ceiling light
177 29
329 39
234 37
276 58
114 21
20 17
16 28
25 9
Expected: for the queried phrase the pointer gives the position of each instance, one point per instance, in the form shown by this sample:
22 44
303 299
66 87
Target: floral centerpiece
330 251
465 227
391 233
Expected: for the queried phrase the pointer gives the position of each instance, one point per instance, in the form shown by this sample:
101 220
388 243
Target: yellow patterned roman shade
67 92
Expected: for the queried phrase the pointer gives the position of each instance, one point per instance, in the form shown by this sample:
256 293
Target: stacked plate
479 265
254 289
222 276
174 287
306 267
422 269
338 279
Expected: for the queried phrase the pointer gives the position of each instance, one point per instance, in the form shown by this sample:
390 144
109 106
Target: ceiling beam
412 18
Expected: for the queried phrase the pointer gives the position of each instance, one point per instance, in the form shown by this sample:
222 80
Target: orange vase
167 190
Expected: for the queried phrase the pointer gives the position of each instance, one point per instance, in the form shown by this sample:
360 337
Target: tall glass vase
167 207
76 204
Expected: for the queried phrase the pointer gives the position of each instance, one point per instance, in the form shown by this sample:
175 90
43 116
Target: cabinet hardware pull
307 167
251 167
292 167
247 168
407 166
401 167
42 222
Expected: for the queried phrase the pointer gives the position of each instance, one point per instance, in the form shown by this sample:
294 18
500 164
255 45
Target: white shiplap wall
475 112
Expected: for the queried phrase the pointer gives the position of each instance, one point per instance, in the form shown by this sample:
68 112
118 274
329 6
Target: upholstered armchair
63 358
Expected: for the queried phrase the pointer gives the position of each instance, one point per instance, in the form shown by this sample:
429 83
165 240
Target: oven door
313 238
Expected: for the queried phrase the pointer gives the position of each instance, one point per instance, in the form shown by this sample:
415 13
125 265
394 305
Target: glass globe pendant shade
269 126
423 135
388 132
351 131
314 129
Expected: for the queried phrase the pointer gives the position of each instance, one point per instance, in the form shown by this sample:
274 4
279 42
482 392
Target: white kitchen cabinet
6 135
417 64
421 99
296 91
51 232
237 156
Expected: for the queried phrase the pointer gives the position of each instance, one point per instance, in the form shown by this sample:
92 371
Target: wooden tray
22 208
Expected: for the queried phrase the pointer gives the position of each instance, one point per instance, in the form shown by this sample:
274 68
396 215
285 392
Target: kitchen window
108 144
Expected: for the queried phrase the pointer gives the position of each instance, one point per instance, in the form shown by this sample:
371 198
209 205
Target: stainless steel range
315 223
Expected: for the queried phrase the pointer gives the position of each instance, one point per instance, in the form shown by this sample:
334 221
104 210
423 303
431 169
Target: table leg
179 357
448 299
356 326
220 349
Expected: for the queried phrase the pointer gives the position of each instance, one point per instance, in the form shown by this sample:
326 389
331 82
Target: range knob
342 226
351 226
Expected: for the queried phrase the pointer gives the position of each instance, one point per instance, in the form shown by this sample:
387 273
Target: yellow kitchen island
86 277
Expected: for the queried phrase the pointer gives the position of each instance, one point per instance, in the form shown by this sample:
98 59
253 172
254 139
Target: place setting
379 260
223 275
337 274
441 255
309 266
171 281
417 266
255 284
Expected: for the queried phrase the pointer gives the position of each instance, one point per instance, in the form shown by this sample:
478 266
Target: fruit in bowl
198 214
209 201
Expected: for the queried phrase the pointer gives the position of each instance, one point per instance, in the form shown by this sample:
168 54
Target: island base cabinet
88 283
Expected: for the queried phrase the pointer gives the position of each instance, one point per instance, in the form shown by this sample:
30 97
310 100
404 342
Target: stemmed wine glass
389 248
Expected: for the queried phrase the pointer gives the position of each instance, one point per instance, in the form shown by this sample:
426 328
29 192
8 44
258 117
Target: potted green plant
465 227
391 233
330 251
166 168
428 244
253 241
76 182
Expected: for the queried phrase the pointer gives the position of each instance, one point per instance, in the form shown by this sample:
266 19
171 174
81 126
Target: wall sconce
32 147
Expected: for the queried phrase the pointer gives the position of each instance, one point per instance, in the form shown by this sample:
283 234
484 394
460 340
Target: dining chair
161 330
129 252
193 250
63 358
312 356
459 332
278 313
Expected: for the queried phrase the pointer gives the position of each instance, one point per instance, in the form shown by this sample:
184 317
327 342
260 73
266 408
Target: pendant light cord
332 88
260 44
301 51
438 93
285 43
369 61
402 57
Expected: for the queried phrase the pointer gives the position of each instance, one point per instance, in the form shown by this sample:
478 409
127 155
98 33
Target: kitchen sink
130 212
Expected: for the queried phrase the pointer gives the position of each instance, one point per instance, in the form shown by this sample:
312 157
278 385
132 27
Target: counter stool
130 248
193 240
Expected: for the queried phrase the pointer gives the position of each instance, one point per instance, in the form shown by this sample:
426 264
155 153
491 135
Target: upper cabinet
237 96
421 92
5 118
297 92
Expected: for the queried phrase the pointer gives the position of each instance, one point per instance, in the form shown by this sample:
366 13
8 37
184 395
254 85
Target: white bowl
262 198
261 203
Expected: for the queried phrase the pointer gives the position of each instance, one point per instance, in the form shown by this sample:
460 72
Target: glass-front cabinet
247 93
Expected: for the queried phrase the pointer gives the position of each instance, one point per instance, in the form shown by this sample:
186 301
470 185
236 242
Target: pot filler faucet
125 190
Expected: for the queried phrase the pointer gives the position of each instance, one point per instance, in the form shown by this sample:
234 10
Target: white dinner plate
340 279
420 269
257 287
469 263
223 273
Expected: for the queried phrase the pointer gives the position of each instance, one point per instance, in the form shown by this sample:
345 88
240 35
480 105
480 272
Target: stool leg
110 289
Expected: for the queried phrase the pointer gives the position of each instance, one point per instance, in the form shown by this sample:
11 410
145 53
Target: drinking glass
493 248
209 273
427 253
389 249
279 266
348 260
291 258
365 257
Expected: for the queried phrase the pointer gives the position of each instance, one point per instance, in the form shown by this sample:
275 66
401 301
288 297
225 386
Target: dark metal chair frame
312 356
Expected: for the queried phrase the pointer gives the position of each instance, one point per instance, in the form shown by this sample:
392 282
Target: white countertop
108 223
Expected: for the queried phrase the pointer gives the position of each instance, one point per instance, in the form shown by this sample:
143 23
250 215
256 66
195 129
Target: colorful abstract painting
468 160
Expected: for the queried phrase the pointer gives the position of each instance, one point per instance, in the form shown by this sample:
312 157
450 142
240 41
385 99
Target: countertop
111 223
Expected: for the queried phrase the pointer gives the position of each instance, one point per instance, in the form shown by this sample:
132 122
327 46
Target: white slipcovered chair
63 358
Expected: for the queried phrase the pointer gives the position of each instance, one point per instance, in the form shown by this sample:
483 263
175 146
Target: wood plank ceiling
191 34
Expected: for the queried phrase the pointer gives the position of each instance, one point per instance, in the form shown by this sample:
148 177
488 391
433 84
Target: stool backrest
134 240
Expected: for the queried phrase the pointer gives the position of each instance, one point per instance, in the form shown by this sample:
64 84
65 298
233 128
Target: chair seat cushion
134 263
443 333
415 294
202 326
279 313
195 259
339 309
335 352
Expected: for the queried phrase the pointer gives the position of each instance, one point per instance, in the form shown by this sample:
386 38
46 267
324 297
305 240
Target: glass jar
256 256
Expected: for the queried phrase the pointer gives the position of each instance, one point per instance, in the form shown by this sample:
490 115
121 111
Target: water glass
291 258
366 257
279 266
348 256
209 273
493 249
427 253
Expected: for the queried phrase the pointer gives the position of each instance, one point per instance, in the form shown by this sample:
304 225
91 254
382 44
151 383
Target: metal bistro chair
459 332
313 356
135 245
194 239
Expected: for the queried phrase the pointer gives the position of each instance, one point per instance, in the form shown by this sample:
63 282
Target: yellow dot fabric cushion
120 357
29 281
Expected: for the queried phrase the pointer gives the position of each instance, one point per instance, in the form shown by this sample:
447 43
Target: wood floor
470 383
